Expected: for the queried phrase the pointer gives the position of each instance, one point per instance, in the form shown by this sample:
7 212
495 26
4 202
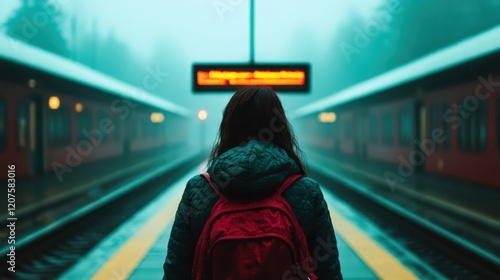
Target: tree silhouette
351 53
108 54
359 51
38 22
115 58
425 26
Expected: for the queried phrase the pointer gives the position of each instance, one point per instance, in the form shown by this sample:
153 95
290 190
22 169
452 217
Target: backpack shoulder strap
207 177
288 182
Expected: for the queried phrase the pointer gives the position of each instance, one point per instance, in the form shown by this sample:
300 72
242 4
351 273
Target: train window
157 128
117 122
154 129
482 125
472 132
84 123
387 128
359 130
59 126
433 119
405 127
347 127
463 134
22 126
133 128
373 128
3 124
335 134
66 125
498 125
52 128
102 116
437 121
445 107
146 128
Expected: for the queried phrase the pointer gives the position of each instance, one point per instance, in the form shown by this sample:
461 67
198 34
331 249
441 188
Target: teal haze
345 41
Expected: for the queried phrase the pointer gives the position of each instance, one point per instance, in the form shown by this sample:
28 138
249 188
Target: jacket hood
253 168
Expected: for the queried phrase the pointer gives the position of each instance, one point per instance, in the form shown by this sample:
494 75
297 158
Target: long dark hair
256 113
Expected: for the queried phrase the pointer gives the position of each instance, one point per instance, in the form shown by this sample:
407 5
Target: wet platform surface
137 249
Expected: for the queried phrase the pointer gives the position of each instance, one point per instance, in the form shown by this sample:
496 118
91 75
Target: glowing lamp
78 107
157 117
54 102
202 115
327 117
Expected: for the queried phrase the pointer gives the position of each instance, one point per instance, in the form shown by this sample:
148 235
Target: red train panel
16 150
382 131
477 160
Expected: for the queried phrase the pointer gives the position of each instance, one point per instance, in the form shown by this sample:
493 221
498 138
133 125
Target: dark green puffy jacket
256 167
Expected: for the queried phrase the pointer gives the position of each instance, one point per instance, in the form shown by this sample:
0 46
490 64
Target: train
437 116
423 140
56 114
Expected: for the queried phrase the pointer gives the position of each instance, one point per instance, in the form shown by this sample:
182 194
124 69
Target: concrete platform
137 249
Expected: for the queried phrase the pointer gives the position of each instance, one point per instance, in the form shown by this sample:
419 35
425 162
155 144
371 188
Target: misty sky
172 35
205 34
194 23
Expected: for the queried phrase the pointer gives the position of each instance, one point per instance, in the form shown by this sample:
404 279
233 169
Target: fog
344 41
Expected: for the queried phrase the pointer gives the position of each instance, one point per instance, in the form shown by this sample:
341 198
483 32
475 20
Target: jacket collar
255 167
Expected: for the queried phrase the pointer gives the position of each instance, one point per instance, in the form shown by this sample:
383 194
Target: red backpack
256 240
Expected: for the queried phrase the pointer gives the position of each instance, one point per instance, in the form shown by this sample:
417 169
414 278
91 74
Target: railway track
51 255
441 254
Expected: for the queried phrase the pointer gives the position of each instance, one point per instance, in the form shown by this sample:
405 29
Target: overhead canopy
466 50
18 52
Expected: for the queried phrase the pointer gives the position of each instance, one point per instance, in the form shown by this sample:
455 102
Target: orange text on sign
249 78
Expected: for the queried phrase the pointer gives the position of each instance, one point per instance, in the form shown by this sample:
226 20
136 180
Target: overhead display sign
229 77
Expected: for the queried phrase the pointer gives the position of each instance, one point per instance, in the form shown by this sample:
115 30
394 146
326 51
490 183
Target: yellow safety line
124 262
382 263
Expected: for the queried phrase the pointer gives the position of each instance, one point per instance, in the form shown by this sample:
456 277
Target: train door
498 126
360 136
35 132
129 131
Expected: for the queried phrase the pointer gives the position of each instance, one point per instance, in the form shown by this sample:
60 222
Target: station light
32 83
78 107
157 117
202 115
327 117
54 102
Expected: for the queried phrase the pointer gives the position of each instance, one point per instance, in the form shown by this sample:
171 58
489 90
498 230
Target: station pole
252 31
